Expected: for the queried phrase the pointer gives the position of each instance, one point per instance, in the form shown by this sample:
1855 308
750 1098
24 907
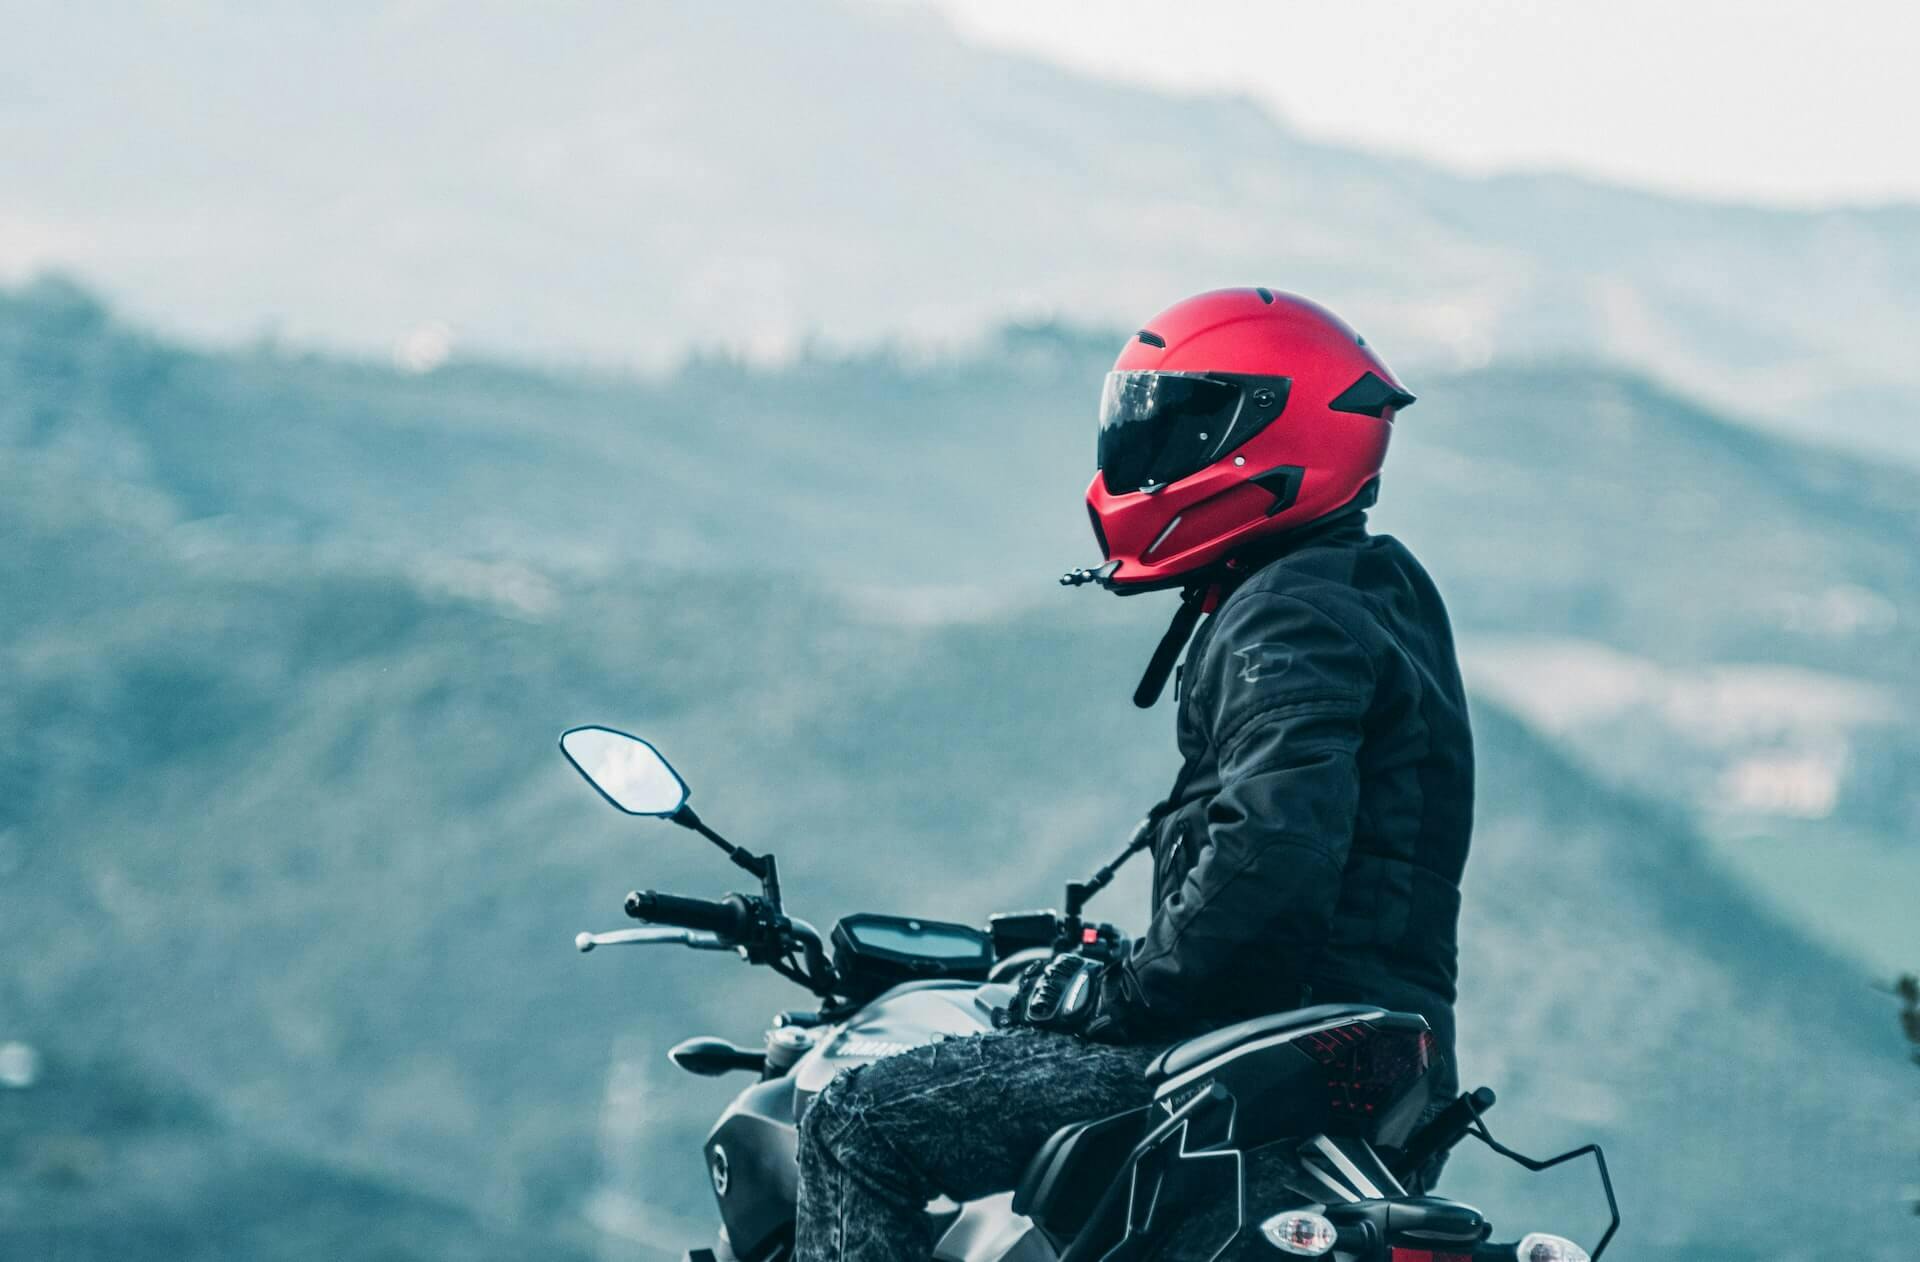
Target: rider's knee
825 1126
860 1115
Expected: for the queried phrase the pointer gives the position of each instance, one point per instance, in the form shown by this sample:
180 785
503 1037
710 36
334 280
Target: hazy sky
1805 103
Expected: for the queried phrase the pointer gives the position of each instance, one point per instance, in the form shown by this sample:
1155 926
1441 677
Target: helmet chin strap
1193 602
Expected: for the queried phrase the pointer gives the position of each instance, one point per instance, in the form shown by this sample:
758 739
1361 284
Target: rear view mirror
629 773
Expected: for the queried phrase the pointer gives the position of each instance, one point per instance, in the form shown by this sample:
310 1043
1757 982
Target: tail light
1374 1075
1299 1231
1541 1247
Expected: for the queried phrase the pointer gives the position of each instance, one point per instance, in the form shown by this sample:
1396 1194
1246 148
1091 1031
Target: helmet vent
1370 396
1099 532
1161 538
1151 338
1266 295
1283 484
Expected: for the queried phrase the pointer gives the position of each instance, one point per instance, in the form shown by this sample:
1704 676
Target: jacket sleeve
1285 689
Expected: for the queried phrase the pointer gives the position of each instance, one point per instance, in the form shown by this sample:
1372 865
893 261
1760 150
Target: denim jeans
959 1118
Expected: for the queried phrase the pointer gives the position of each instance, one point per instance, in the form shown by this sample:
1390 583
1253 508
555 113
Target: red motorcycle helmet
1233 416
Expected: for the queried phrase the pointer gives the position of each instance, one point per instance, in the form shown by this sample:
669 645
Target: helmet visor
1159 427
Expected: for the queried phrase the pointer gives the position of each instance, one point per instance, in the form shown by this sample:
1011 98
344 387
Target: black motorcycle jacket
1316 835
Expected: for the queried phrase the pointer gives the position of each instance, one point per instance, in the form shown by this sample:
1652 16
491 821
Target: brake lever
653 937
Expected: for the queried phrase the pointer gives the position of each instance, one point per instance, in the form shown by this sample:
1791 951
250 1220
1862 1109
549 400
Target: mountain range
640 179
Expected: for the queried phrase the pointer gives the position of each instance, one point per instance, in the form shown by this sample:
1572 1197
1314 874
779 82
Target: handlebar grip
728 917
1448 1127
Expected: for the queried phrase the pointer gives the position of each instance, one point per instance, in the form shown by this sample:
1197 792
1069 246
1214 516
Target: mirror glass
629 773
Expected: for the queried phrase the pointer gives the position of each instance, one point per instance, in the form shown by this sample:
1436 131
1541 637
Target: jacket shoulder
1286 640
1318 586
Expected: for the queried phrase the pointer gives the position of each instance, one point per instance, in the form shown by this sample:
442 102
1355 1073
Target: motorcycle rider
1313 842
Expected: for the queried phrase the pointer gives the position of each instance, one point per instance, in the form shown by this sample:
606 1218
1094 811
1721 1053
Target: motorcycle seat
1065 1180
1279 1026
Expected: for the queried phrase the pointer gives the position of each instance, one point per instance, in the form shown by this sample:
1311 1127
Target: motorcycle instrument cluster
873 952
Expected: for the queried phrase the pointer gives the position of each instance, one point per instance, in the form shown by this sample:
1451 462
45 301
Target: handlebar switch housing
1098 940
1427 1225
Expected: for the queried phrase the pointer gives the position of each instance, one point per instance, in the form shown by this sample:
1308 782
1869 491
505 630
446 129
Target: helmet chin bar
1247 556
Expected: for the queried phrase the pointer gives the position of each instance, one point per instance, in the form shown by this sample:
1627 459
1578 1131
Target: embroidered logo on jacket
1261 660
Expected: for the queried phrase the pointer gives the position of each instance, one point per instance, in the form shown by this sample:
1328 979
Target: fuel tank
906 1016
752 1151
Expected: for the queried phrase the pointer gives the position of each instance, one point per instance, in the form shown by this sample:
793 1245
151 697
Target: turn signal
1540 1247
1299 1231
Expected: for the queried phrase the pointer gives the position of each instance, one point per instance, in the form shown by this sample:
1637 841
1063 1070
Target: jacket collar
1342 530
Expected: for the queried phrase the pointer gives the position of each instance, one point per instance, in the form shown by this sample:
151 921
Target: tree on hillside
1907 989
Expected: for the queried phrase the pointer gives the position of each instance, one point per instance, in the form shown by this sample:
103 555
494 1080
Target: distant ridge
760 174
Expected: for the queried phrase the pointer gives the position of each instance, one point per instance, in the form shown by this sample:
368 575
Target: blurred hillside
96 1163
641 178
1697 606
290 867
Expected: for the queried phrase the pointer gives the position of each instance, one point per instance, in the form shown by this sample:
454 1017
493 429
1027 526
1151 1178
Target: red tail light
1369 1068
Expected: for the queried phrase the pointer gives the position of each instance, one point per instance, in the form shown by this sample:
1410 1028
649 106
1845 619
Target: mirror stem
1078 892
686 818
761 866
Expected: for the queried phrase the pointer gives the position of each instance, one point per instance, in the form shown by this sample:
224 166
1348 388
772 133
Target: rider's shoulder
1299 599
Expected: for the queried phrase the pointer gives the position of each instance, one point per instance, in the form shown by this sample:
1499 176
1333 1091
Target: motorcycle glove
1061 994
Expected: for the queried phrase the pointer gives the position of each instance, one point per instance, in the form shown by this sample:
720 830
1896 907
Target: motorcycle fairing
757 1145
757 1141
1066 1178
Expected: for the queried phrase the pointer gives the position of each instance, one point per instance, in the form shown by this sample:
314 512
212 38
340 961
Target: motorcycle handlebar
729 917
1447 1128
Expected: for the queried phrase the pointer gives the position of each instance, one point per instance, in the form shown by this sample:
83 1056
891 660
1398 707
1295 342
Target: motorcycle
1342 1088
